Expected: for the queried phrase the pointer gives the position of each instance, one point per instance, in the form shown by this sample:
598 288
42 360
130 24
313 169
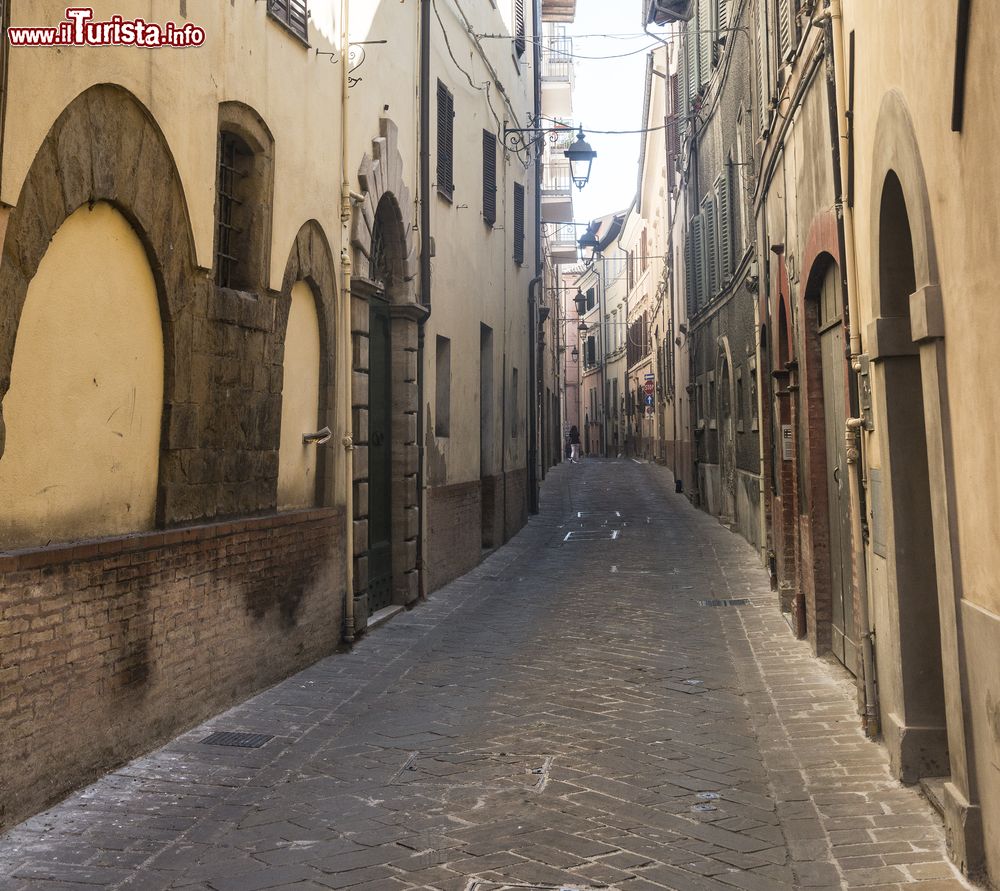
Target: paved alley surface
567 715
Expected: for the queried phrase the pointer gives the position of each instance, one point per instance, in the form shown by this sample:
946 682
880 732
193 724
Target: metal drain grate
740 602
237 740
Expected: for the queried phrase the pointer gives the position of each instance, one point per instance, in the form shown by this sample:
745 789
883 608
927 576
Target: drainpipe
347 352
833 13
425 266
534 289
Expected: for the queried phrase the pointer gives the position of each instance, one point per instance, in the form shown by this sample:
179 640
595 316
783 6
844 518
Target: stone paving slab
568 715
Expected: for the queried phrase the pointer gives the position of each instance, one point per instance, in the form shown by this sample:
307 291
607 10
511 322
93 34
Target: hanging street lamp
581 160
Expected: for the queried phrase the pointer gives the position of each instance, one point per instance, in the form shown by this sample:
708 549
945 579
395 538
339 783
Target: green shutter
489 177
705 41
723 186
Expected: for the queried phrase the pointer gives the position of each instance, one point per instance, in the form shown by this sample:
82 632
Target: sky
608 96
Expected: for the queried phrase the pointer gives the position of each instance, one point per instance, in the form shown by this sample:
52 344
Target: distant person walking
574 445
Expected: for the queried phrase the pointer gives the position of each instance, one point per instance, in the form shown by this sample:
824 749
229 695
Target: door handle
836 475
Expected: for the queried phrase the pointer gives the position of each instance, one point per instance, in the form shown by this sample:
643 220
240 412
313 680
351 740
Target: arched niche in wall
300 402
83 412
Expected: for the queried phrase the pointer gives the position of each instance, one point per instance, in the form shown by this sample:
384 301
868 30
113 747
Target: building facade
292 330
862 135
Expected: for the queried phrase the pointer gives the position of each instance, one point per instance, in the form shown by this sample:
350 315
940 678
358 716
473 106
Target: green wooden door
379 459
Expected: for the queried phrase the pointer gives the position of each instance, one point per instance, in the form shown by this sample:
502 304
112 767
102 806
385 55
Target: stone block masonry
110 647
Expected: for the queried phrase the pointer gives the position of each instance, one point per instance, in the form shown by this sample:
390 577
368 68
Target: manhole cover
704 808
708 796
237 740
739 602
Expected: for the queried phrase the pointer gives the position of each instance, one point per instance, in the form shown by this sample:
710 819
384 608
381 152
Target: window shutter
519 224
760 53
724 20
292 13
673 134
691 59
711 248
784 28
520 34
489 177
705 41
689 271
726 223
445 142
699 261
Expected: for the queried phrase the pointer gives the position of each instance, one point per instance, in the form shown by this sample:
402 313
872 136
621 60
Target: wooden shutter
446 142
784 29
726 223
689 271
489 177
724 20
711 248
673 134
520 33
294 14
760 54
704 19
519 224
699 261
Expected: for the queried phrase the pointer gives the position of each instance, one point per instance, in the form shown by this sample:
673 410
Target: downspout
535 384
347 352
853 438
602 281
425 267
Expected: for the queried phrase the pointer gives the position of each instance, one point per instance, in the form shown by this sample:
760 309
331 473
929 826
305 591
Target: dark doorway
487 436
379 457
912 564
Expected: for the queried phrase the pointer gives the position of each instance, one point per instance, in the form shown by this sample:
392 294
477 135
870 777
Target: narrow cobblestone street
568 714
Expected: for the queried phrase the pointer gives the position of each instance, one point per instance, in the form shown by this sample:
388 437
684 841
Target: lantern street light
588 240
581 302
580 154
575 354
581 159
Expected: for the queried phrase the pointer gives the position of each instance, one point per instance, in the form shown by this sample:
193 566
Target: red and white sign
649 388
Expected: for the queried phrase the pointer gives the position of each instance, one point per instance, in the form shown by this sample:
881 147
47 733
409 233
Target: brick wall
454 531
110 647
516 510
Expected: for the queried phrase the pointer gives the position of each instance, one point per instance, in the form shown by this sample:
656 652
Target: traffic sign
650 377
649 388
649 400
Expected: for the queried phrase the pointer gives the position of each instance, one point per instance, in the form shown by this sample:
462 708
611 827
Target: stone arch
906 341
384 414
311 261
381 178
106 146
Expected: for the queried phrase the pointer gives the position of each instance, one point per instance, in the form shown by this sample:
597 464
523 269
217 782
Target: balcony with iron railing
557 60
556 178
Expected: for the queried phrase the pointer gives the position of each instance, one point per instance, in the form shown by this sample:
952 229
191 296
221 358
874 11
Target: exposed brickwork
516 501
454 531
109 647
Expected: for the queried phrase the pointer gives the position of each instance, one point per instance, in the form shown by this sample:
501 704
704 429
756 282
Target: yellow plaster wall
83 410
299 402
915 55
247 57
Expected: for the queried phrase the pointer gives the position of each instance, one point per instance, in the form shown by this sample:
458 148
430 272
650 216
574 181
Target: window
293 14
244 189
442 401
711 401
515 403
753 393
591 299
520 33
644 248
489 178
740 401
231 231
446 142
518 224
591 354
